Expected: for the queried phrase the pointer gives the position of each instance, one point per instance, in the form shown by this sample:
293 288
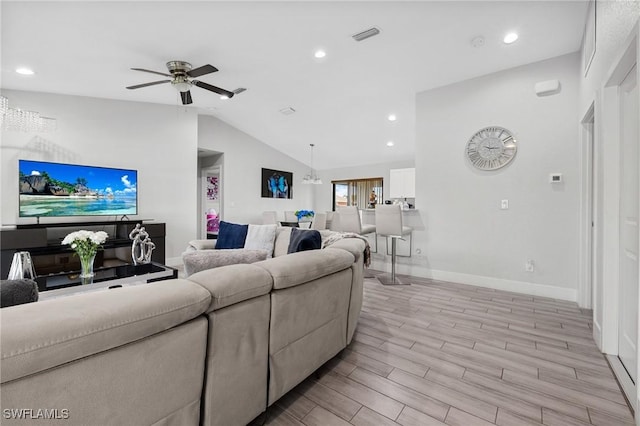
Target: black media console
49 256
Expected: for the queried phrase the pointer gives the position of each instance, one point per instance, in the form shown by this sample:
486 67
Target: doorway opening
210 190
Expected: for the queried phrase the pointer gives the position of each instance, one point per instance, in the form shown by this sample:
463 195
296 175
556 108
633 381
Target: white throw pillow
261 237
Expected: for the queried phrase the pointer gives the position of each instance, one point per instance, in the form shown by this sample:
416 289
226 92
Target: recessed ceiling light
25 71
390 143
510 38
392 117
320 54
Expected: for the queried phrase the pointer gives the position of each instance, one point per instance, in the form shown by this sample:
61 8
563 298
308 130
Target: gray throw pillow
17 292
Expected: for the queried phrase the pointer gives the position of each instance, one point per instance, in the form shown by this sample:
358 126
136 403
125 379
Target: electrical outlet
504 205
529 266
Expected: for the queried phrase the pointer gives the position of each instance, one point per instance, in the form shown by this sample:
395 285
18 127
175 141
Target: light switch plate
504 205
555 178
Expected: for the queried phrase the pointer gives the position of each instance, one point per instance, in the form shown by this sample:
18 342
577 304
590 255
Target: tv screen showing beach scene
55 189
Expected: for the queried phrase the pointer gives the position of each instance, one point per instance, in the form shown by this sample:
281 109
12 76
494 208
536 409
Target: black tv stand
43 241
81 224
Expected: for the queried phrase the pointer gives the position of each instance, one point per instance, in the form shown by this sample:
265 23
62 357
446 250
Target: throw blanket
333 237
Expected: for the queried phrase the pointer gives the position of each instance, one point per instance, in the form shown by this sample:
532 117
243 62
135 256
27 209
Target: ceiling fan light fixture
311 178
181 86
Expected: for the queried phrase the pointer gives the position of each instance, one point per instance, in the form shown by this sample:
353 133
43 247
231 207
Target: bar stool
333 221
290 216
389 224
319 221
269 218
350 222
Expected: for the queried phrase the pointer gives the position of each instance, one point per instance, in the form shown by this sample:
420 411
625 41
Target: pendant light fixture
311 177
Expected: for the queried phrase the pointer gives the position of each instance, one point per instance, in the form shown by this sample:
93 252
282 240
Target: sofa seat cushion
38 336
196 261
232 284
299 268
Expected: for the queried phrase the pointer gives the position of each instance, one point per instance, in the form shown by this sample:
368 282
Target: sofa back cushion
47 334
299 268
303 240
283 235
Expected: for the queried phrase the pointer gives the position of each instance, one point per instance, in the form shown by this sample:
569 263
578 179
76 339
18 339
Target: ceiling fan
182 75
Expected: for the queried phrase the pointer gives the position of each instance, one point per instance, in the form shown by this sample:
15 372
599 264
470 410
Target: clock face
491 148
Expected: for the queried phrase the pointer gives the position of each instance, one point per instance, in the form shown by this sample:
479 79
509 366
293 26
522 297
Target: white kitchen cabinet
402 183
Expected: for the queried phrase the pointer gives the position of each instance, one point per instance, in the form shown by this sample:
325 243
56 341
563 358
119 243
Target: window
363 193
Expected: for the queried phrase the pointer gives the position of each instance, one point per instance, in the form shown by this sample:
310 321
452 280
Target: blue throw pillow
231 235
304 239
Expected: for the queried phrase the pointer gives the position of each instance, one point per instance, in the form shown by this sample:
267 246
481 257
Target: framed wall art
276 184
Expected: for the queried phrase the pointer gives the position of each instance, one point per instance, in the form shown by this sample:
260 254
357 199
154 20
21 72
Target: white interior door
629 203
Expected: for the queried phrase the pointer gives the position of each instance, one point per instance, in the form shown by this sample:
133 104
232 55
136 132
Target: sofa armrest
299 268
233 283
43 335
355 246
201 245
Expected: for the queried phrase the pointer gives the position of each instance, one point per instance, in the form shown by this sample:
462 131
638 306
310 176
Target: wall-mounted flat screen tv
55 189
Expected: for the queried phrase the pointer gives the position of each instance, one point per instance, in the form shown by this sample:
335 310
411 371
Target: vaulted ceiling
341 101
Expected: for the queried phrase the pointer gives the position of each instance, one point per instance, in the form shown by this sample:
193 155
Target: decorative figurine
142 246
373 199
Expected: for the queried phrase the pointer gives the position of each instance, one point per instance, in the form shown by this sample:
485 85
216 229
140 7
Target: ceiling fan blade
153 83
186 98
211 88
152 72
205 69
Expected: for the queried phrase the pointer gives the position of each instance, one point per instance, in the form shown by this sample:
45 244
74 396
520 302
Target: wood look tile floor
438 353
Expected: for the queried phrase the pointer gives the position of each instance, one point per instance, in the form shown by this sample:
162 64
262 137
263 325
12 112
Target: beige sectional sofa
215 349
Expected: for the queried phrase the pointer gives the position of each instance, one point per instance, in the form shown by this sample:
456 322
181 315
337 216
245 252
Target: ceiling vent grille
239 90
366 34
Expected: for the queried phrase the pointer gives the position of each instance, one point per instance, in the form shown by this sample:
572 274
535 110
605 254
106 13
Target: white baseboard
597 334
533 289
623 378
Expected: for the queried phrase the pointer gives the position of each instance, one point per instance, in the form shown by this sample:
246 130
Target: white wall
324 192
467 237
159 141
244 157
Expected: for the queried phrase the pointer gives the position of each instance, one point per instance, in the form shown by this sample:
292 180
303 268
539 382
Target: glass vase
86 267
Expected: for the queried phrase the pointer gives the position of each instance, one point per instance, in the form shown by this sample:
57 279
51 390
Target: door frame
588 202
607 141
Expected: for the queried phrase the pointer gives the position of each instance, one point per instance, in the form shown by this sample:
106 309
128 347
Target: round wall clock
491 148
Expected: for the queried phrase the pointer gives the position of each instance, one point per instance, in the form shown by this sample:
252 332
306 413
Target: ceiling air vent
366 34
239 90
287 111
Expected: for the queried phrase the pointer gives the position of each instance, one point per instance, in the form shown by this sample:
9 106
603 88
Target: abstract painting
212 188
